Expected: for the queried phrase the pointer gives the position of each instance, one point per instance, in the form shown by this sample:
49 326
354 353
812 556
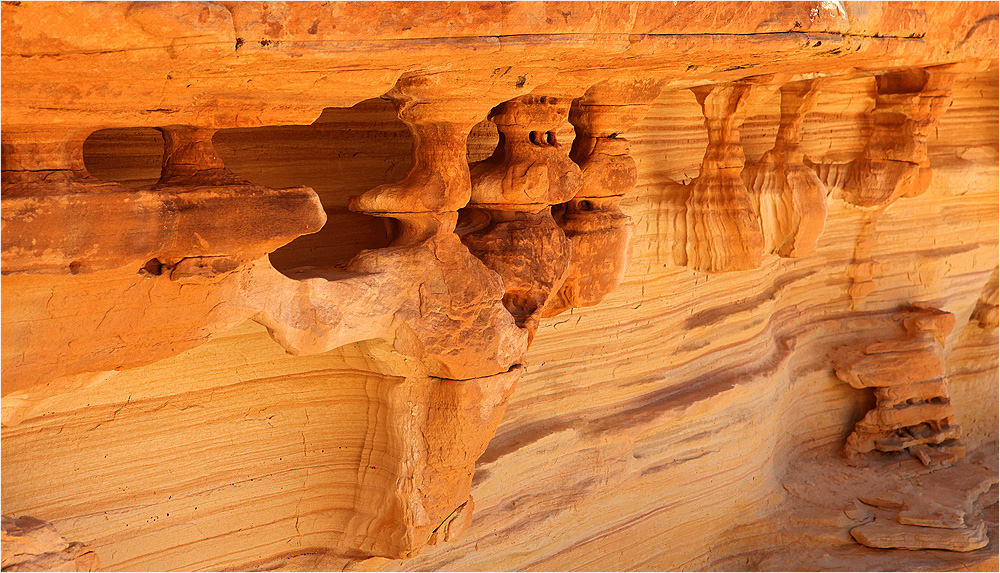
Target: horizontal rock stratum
499 286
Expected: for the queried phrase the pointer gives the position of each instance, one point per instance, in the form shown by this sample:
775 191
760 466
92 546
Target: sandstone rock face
484 286
30 544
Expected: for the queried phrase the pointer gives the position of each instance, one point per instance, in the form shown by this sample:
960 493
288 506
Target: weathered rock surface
890 535
31 544
483 286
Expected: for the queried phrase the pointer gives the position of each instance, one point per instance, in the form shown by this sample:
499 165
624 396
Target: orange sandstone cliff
499 286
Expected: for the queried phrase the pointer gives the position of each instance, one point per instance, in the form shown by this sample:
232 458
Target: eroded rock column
460 329
908 105
894 163
454 346
788 196
722 232
424 437
600 233
509 220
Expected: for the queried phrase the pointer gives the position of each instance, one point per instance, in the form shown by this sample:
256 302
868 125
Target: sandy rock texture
31 544
499 285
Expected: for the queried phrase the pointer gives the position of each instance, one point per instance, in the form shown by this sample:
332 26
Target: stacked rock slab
939 509
912 413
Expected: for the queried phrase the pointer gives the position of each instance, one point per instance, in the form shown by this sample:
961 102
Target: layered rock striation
530 285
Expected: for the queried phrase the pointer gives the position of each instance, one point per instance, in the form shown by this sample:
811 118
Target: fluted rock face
531 285
788 196
423 440
722 232
894 163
